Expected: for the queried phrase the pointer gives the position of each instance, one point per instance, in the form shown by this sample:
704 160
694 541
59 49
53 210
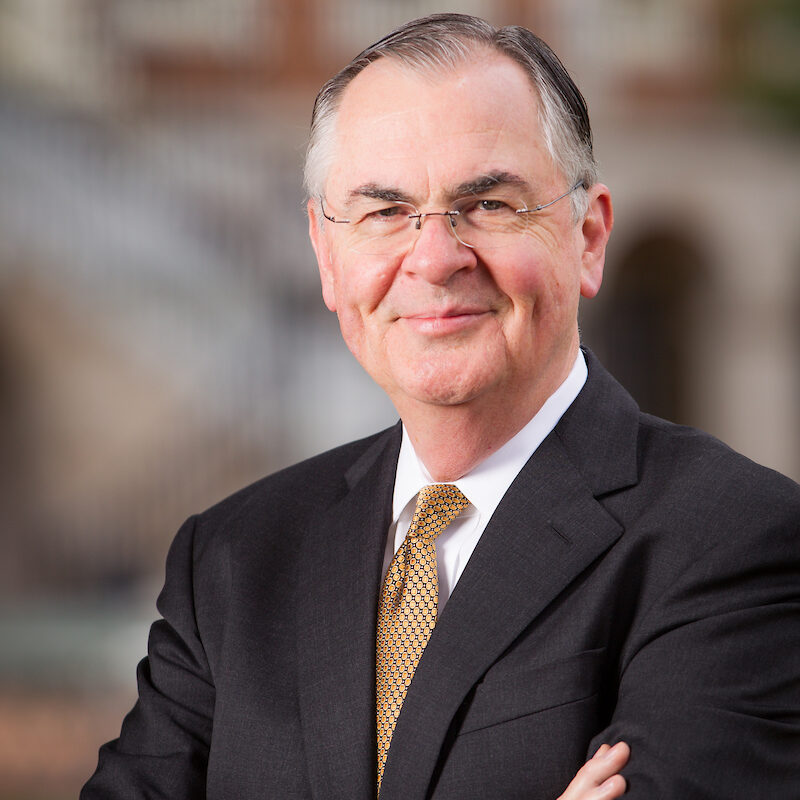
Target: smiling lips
440 322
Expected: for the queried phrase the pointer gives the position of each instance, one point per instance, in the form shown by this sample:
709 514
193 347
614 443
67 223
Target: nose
437 254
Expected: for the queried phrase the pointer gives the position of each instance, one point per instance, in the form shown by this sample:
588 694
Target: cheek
360 287
544 294
548 273
527 285
362 283
352 329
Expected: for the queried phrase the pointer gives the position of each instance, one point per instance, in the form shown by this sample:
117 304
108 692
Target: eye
384 215
491 205
483 208
390 211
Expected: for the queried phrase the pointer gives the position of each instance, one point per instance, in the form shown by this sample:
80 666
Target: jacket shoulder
694 471
308 485
700 454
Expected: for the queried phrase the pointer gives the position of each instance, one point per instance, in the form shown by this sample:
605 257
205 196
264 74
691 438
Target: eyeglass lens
377 228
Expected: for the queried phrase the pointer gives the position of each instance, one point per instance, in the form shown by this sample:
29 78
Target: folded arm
709 691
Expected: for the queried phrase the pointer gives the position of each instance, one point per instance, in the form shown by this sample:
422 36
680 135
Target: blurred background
162 335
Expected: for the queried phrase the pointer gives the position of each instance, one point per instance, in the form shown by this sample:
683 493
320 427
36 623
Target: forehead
425 133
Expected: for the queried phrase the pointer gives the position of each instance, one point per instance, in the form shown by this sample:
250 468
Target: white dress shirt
484 486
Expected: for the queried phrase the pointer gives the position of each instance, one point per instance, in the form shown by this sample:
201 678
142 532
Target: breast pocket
504 694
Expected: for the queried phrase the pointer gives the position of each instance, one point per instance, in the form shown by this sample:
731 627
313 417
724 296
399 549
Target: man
469 604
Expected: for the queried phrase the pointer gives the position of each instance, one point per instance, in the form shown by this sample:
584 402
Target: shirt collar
485 485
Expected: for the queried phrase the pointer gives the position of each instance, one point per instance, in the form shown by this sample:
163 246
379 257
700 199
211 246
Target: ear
319 241
596 229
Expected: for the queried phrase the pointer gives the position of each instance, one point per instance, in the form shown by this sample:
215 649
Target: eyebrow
479 185
374 191
488 181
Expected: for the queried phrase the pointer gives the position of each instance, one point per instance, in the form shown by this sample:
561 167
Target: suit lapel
546 531
336 628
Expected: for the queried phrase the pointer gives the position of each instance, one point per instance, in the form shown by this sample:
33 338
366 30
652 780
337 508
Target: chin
441 379
458 390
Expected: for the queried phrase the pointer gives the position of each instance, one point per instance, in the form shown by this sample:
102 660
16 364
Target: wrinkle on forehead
434 133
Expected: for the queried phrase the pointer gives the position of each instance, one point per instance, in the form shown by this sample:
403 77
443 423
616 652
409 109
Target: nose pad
450 219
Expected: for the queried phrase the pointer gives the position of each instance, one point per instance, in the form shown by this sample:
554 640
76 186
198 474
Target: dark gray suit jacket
639 580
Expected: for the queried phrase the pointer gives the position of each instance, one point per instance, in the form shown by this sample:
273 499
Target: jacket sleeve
709 692
162 750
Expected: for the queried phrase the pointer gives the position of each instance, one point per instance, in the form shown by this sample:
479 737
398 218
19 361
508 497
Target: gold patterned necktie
408 606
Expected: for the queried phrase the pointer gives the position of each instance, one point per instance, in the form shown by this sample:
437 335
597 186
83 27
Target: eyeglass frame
453 213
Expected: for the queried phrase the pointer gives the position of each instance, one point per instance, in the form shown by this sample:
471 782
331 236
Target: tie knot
437 506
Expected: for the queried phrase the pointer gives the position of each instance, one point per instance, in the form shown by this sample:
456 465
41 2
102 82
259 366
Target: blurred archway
648 326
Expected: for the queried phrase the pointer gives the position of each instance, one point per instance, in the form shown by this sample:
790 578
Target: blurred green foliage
766 57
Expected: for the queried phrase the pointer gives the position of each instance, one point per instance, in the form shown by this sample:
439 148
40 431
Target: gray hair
442 41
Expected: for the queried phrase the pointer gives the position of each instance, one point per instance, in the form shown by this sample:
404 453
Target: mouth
443 322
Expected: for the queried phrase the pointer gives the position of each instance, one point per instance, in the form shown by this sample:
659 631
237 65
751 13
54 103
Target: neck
452 440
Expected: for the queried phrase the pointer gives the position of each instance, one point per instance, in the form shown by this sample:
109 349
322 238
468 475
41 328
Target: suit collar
599 431
379 460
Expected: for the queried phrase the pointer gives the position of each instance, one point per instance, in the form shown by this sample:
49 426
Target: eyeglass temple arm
578 185
329 218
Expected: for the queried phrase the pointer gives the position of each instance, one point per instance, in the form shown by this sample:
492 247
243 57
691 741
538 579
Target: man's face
440 323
